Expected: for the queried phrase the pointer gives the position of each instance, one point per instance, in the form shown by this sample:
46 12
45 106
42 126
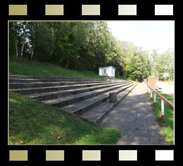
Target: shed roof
107 66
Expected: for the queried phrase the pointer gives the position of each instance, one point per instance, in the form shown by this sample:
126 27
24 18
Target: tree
85 46
165 64
24 35
14 38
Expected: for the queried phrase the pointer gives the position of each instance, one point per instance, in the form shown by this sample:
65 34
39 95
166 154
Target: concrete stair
33 90
98 113
62 93
60 102
84 106
87 98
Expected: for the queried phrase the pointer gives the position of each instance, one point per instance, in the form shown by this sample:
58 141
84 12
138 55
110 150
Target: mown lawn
34 68
34 123
167 125
169 83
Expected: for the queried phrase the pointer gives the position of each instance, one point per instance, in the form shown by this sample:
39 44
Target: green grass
168 122
170 83
34 68
32 122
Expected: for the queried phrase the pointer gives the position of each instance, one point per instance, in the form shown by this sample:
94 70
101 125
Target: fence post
154 98
162 109
151 95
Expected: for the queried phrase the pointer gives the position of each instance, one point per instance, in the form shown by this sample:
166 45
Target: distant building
165 74
107 72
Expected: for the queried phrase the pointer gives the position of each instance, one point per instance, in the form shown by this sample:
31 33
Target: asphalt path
168 89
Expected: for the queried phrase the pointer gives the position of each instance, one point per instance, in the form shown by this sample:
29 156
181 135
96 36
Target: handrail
169 103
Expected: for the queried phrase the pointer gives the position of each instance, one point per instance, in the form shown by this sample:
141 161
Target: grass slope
34 68
168 122
32 122
169 83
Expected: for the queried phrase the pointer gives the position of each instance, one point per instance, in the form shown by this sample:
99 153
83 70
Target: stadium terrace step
28 91
41 84
18 77
61 102
49 80
62 93
87 98
98 113
84 106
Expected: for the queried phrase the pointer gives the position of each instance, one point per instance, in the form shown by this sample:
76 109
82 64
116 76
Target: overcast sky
146 34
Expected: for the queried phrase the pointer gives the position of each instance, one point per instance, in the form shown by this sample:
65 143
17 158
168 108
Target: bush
129 78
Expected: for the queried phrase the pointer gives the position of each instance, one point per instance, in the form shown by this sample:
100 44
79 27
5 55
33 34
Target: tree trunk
16 40
22 49
32 53
23 40
16 47
67 65
33 47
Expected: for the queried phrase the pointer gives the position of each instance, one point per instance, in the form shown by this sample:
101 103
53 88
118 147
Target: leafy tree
165 64
85 45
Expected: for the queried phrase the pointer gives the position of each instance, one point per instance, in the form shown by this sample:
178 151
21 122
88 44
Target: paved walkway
135 119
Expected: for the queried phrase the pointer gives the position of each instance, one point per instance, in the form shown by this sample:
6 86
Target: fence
150 90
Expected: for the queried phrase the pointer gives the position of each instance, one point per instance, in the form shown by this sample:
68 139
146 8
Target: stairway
86 98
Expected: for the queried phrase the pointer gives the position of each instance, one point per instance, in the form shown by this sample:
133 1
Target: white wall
100 72
109 71
112 72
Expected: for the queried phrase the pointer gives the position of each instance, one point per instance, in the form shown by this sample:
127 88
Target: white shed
107 71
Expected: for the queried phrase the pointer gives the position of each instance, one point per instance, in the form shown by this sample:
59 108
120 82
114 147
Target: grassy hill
34 68
32 122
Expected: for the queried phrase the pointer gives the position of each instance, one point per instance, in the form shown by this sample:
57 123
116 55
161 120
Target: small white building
165 74
108 72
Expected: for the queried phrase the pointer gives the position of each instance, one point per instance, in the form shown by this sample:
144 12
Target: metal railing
150 90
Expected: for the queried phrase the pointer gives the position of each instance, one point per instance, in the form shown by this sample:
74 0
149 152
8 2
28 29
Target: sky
146 34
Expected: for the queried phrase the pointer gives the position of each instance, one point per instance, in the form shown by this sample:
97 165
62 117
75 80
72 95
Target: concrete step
61 102
98 113
19 77
62 93
43 84
84 106
28 91
49 80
